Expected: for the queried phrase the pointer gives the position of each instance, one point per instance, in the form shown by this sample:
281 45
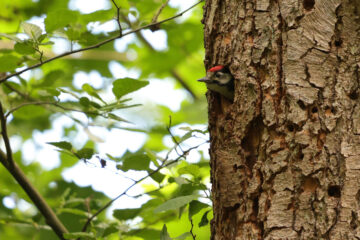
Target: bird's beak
204 79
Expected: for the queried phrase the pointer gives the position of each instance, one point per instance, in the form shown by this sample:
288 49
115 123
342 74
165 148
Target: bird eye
218 74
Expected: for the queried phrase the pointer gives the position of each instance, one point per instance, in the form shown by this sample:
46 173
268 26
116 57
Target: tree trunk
285 155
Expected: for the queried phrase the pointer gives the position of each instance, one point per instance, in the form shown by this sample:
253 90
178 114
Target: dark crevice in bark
273 229
252 141
308 4
279 88
354 220
354 94
334 191
230 214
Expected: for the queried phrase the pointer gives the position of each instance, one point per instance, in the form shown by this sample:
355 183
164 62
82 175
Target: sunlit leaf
74 211
63 145
164 234
125 214
190 169
32 30
75 235
59 19
175 203
145 233
183 236
8 63
29 112
11 37
135 161
24 48
91 91
124 86
117 118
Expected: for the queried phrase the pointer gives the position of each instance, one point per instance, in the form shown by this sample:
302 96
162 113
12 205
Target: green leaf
41 38
158 177
152 157
52 92
117 118
204 220
110 230
164 235
85 153
59 18
193 170
195 206
32 30
183 236
84 101
83 235
8 63
91 91
125 214
24 48
145 233
63 145
14 38
116 159
52 77
74 211
175 203
135 161
30 112
124 4
124 86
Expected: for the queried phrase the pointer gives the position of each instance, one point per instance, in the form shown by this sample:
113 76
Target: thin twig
163 165
9 157
25 96
173 137
49 103
191 229
98 44
155 18
118 17
172 71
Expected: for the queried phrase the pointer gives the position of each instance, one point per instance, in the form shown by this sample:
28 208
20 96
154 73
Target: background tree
40 91
285 154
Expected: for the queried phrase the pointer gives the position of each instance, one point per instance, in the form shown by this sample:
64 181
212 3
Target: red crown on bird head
216 68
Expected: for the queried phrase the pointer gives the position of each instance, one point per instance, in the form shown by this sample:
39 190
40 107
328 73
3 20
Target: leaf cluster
49 97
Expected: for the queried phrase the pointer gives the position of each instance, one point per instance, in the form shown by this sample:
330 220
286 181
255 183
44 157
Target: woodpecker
219 79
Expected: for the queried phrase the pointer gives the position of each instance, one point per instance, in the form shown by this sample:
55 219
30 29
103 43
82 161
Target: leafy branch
7 159
165 163
98 44
173 72
8 162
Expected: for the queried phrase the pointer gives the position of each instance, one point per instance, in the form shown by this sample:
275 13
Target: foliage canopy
71 94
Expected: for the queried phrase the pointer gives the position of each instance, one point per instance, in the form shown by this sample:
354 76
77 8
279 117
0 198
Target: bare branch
155 18
98 44
50 217
9 157
191 229
118 17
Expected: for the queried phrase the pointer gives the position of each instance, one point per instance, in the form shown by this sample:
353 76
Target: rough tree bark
285 155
